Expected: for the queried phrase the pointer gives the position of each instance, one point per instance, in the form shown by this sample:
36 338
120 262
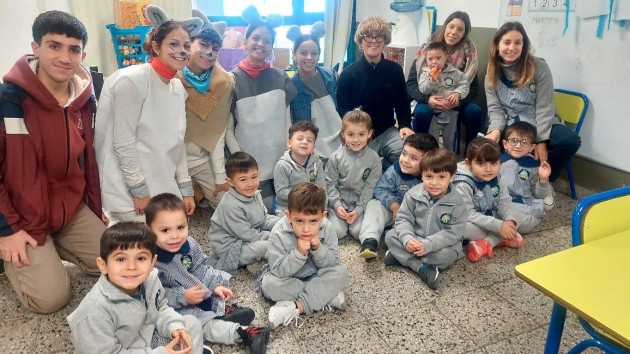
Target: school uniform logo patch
366 173
445 218
312 176
448 82
187 262
495 191
532 87
523 174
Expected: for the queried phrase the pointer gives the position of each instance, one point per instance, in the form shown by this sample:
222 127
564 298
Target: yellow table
592 280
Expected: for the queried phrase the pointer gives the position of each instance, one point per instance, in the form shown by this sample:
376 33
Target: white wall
483 13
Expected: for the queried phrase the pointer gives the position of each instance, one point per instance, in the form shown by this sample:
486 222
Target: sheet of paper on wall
621 10
592 8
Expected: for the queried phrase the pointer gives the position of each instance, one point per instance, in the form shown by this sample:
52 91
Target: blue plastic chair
571 107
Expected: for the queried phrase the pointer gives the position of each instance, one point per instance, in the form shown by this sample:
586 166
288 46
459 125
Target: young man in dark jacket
50 205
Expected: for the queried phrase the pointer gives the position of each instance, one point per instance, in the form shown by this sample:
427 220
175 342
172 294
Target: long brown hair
438 36
525 65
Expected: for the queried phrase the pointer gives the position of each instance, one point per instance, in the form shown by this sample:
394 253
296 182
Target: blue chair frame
578 127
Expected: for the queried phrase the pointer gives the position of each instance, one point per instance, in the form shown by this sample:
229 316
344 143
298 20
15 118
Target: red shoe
518 242
479 248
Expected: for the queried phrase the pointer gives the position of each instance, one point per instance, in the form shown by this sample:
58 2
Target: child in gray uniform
390 190
240 226
441 78
298 164
306 271
351 174
493 219
126 310
431 221
527 179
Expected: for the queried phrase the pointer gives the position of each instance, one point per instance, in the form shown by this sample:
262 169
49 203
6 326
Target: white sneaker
283 312
549 201
339 301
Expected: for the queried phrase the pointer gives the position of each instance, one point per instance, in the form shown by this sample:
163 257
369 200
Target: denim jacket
301 104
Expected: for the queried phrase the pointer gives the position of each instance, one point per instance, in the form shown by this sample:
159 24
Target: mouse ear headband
218 27
157 17
318 30
252 17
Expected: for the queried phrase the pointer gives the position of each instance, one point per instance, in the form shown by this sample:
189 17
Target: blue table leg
556 326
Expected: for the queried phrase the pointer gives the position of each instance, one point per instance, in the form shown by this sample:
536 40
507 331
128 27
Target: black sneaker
390 260
207 349
255 338
241 315
1 268
429 275
368 248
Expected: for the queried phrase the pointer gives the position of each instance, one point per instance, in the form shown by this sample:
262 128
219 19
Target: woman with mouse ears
316 99
141 122
260 111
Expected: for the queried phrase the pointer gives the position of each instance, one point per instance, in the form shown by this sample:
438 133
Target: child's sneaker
207 349
518 242
339 302
283 312
255 338
390 260
477 249
549 200
429 275
241 315
1 268
203 204
369 249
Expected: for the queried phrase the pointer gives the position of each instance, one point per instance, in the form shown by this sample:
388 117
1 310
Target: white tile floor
479 308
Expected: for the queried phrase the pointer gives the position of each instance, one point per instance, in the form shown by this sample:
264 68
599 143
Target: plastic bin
128 44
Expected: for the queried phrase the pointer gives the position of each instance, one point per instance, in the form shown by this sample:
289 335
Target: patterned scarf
463 58
162 69
201 83
252 69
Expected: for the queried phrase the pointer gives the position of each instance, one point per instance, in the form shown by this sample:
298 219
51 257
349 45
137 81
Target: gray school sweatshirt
287 173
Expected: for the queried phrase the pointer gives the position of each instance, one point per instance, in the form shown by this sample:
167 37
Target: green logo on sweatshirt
523 174
187 262
366 173
312 176
445 219
495 191
532 87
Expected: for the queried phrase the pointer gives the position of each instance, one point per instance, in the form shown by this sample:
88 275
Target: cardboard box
131 13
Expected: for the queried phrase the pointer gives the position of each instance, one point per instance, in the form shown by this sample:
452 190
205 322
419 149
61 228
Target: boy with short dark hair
240 226
193 286
298 164
390 190
306 271
527 179
441 78
431 221
126 309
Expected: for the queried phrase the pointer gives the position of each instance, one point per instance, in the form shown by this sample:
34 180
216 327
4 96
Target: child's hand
352 217
303 246
394 209
453 99
508 230
341 213
544 171
434 72
315 242
413 245
195 294
224 293
181 337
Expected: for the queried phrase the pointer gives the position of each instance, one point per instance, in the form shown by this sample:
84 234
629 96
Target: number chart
550 6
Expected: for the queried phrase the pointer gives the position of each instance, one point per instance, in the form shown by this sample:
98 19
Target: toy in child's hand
434 73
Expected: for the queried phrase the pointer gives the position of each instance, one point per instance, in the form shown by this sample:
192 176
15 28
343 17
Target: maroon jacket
47 162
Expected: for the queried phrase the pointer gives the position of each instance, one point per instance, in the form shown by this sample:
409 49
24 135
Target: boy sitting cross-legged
390 190
431 221
306 271
240 226
193 286
126 310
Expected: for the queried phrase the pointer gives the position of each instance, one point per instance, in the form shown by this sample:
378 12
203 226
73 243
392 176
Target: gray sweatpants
388 145
526 223
204 176
379 217
253 252
442 258
221 332
313 292
446 130
342 228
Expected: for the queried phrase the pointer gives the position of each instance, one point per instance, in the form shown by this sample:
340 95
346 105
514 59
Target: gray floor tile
357 338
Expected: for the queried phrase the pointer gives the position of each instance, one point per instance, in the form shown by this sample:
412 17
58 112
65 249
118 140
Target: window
294 12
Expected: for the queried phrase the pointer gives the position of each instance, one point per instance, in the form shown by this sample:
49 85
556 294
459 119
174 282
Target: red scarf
253 69
162 69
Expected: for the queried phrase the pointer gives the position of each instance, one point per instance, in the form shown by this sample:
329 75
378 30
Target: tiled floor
479 308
